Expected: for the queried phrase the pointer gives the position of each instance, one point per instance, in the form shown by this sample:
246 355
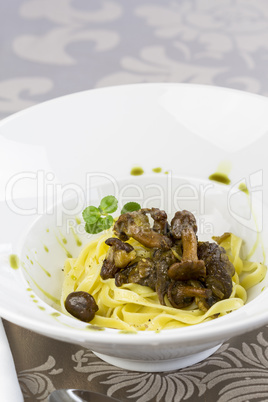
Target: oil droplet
157 170
78 220
243 187
220 178
63 239
48 295
78 241
14 261
136 171
41 308
222 173
55 315
94 328
47 230
31 261
45 271
69 255
46 249
166 172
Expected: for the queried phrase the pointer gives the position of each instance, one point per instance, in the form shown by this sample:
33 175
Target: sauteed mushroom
181 294
179 268
219 270
136 224
119 256
81 305
141 272
183 226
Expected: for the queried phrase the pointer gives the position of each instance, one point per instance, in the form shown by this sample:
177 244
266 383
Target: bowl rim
205 332
208 330
123 87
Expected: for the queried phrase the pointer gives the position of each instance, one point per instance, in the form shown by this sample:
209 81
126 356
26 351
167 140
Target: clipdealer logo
50 197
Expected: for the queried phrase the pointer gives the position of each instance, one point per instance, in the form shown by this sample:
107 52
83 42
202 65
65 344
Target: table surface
52 48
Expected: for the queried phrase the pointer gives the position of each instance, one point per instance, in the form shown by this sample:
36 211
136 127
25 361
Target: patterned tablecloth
51 48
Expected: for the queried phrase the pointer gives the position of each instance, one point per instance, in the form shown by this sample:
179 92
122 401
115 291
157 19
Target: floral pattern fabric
237 372
52 48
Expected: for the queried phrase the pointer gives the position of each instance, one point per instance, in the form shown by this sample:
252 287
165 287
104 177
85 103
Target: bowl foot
158 365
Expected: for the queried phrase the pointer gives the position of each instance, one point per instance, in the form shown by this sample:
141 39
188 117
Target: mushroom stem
189 244
183 226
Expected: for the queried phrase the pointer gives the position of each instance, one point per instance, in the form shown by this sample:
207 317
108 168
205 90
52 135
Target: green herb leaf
106 222
100 225
91 215
130 207
108 205
93 228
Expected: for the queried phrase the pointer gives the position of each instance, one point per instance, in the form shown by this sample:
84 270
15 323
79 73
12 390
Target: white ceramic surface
74 150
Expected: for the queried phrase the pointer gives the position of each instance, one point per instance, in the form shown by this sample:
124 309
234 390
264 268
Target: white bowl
79 148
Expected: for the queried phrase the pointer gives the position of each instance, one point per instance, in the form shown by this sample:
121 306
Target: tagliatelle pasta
135 307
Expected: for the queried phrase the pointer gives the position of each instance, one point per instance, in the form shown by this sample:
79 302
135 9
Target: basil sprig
99 219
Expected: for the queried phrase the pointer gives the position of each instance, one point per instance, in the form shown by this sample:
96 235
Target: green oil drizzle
136 171
220 178
47 230
14 261
94 328
41 308
78 241
69 255
222 173
45 271
48 295
46 249
243 187
78 220
63 239
55 315
157 170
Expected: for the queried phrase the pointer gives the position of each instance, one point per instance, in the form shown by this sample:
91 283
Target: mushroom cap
185 270
183 220
118 244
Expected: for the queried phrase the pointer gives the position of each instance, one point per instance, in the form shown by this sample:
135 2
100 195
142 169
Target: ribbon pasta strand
135 307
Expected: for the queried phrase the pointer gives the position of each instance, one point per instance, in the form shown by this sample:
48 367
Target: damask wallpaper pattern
51 48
